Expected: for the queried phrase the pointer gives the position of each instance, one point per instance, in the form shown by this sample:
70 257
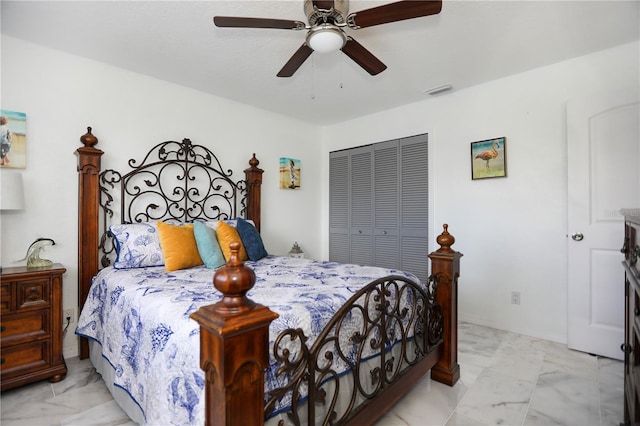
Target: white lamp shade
326 39
11 191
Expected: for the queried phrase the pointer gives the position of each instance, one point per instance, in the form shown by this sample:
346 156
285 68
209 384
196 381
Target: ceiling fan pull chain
313 78
342 70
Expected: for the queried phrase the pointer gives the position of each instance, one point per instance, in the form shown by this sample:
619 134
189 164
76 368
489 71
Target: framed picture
13 139
489 158
289 173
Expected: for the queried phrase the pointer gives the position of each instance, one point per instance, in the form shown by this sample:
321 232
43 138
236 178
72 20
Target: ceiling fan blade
363 57
296 60
239 22
392 12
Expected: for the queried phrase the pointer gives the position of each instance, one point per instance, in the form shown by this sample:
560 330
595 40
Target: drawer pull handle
1 360
34 294
627 349
2 328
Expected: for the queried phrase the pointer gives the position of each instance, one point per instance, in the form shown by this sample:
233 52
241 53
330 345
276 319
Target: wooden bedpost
446 263
88 214
253 176
234 348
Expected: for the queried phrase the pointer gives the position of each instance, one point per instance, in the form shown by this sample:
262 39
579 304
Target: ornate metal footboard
378 335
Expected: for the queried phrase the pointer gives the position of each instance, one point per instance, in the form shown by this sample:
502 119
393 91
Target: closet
379 205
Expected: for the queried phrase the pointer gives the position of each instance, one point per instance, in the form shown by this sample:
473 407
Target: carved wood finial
88 139
253 162
234 280
445 240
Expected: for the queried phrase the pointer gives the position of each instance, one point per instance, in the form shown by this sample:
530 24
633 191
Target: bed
261 338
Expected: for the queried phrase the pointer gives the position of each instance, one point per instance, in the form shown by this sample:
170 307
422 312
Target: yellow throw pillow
179 246
227 234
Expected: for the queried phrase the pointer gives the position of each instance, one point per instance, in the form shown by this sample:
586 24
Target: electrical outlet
515 297
68 313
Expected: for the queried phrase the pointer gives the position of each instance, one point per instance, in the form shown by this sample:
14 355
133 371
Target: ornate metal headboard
176 181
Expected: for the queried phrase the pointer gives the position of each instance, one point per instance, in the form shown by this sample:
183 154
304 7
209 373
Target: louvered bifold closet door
361 205
339 207
386 215
414 205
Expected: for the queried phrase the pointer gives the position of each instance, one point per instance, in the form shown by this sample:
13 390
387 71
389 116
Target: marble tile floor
506 379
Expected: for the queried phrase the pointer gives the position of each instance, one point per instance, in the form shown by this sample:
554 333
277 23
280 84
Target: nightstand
31 325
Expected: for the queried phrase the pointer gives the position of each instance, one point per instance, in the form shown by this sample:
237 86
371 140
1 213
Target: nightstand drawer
33 294
17 327
25 356
5 297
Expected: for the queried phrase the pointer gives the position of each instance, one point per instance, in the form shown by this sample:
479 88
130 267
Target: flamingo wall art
489 158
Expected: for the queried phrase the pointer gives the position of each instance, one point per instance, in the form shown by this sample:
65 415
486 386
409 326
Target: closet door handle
627 349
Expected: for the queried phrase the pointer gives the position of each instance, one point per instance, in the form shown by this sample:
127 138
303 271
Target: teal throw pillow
208 246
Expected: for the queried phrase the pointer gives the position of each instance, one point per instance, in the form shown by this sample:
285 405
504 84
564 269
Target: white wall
63 94
512 231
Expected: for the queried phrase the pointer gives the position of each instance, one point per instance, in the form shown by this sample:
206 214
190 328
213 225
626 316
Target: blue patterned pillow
137 245
251 240
208 246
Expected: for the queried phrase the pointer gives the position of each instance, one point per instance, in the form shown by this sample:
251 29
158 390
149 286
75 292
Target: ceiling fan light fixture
326 38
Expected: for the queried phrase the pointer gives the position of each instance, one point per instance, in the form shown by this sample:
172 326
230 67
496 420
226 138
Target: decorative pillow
178 246
137 245
213 224
208 246
251 240
227 234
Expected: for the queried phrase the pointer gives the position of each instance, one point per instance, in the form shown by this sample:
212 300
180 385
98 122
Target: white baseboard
505 327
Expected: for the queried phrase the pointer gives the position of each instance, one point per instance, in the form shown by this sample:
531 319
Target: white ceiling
468 43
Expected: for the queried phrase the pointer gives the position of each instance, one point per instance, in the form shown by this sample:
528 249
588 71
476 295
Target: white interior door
603 177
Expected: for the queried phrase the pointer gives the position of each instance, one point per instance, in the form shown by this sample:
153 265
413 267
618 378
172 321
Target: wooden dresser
631 346
31 325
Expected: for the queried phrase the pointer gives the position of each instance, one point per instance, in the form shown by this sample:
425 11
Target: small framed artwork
289 173
489 158
13 139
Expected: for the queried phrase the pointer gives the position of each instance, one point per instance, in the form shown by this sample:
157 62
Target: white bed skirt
131 408
108 373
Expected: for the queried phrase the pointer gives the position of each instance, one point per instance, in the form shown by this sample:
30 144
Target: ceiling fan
327 18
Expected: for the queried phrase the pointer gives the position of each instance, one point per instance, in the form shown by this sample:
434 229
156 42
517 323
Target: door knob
577 236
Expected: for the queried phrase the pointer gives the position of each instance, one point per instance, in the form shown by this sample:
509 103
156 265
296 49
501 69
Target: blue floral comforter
141 319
